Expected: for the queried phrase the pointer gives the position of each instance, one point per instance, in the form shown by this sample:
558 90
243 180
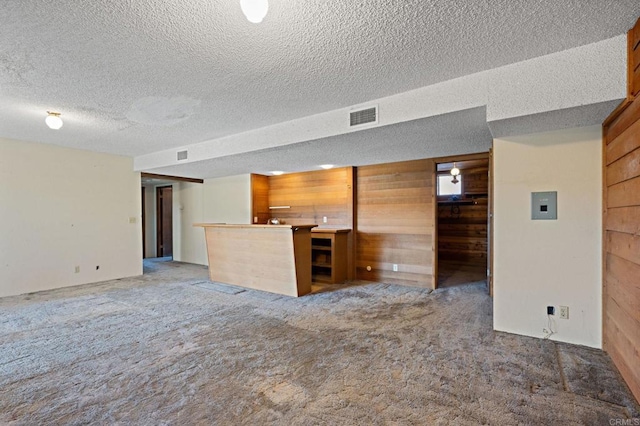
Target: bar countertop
257 226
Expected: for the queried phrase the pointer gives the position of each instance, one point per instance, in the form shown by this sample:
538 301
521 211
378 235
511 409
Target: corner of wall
553 262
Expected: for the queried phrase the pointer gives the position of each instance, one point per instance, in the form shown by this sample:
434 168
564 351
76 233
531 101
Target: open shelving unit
329 255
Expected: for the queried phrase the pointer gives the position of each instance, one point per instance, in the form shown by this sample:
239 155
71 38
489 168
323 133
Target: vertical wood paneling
490 226
395 215
314 195
462 227
259 198
621 276
462 234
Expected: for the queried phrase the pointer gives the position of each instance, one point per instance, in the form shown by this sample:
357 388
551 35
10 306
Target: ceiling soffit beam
168 177
591 74
568 118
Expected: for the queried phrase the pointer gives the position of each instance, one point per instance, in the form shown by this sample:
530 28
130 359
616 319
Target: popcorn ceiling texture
95 61
170 347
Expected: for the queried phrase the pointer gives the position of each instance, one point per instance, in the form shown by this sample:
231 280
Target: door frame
434 211
144 225
159 232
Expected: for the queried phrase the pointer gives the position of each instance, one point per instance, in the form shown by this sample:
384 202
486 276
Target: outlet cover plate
564 312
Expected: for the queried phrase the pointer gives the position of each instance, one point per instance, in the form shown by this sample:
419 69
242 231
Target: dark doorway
144 226
164 204
462 221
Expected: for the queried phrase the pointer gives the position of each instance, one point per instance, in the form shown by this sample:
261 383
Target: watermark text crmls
625 422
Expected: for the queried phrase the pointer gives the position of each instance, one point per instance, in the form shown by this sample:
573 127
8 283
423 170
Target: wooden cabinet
329 255
274 258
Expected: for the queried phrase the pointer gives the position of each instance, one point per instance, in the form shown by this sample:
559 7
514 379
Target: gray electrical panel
544 205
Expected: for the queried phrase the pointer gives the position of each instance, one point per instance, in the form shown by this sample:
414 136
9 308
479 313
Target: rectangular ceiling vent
368 115
182 155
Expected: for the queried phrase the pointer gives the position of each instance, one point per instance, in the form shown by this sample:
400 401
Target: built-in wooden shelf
329 255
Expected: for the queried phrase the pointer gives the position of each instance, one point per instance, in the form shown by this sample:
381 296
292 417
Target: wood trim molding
352 218
168 177
434 220
616 112
466 157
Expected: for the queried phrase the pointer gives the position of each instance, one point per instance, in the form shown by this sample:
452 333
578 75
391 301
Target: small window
446 187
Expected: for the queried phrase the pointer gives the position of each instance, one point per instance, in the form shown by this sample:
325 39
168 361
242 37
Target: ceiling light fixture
327 166
254 10
455 172
53 120
277 172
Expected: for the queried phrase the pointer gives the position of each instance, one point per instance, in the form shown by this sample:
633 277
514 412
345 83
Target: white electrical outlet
564 312
132 219
324 219
395 267
77 269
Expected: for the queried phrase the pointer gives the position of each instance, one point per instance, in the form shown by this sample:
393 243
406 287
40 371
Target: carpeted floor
452 272
172 348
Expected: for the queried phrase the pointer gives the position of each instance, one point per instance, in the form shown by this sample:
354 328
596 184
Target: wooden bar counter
274 258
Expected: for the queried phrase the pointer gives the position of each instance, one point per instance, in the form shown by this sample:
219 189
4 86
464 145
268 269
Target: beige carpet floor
171 348
453 272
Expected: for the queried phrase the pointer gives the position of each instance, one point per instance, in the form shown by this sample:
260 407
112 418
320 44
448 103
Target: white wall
61 208
222 200
540 263
176 216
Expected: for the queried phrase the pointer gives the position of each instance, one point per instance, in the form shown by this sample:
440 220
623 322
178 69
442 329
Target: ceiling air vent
182 155
364 116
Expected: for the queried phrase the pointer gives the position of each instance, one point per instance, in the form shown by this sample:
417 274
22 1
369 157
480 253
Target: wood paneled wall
396 218
621 293
462 228
315 195
622 244
259 198
462 232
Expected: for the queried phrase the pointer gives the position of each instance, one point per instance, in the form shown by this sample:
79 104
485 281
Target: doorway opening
157 219
462 220
164 221
160 200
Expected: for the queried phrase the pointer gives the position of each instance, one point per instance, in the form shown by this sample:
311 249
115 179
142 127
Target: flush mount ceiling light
53 120
277 172
327 166
455 172
254 10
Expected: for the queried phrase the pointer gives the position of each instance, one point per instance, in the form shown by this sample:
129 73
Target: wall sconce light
53 120
254 10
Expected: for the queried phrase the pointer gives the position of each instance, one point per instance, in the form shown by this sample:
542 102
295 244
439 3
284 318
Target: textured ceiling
138 76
